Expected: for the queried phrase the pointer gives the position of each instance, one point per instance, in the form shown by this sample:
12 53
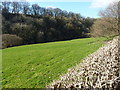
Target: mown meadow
37 65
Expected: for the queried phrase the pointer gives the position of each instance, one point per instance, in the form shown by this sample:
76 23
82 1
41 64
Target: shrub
9 40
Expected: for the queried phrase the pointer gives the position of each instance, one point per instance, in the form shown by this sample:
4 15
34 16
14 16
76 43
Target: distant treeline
35 24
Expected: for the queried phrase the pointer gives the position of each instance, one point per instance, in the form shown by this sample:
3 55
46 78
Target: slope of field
35 66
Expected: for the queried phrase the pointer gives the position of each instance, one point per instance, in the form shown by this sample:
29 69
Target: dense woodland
35 24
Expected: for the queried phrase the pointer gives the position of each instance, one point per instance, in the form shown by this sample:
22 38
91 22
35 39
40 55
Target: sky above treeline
87 8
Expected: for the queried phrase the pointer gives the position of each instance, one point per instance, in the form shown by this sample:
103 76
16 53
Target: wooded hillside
35 24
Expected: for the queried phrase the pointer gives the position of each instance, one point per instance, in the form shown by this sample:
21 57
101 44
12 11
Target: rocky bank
99 70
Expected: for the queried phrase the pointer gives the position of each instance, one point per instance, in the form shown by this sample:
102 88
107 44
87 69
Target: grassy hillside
38 64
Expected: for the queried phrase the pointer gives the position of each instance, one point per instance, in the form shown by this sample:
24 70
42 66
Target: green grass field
35 66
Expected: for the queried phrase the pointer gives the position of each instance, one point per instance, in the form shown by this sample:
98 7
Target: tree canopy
35 24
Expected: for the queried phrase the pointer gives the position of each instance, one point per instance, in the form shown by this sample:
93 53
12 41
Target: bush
104 27
9 40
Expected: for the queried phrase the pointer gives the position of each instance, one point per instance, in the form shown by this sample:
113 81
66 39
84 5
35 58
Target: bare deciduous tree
109 21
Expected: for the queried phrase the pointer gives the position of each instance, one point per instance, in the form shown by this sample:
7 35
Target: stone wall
98 70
